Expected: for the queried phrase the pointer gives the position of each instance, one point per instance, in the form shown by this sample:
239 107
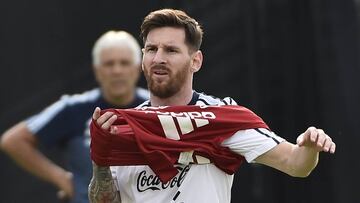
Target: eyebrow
165 46
150 45
171 47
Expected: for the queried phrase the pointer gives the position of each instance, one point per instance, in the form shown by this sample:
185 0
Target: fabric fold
155 136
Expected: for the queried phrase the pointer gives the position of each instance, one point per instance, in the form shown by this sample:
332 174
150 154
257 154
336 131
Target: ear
143 55
196 61
142 66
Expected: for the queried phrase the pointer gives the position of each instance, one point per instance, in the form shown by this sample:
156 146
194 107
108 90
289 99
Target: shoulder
205 99
61 110
67 101
81 98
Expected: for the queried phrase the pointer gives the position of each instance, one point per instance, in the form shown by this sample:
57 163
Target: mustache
156 67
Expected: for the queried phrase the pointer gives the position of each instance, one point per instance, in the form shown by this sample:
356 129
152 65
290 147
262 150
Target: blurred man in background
116 58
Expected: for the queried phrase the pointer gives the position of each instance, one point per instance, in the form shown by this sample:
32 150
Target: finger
109 122
327 144
321 138
103 118
308 132
332 148
300 140
96 113
313 135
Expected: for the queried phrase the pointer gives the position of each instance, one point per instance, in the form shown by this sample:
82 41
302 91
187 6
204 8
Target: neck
183 97
121 100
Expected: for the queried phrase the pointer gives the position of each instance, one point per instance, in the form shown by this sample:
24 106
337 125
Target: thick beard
170 87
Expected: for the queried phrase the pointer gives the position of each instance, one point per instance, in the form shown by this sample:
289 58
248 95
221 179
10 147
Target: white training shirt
195 183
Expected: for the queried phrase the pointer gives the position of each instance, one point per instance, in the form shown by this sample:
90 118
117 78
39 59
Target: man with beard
116 63
171 56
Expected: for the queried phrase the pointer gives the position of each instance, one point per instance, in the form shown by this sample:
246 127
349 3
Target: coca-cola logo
147 181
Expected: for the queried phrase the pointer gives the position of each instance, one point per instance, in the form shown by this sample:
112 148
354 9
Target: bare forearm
102 188
291 159
299 159
37 164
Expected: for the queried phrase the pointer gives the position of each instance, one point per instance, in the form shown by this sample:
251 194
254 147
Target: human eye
172 50
150 49
108 64
125 63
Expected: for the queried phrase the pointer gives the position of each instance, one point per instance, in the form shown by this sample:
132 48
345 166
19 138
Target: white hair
116 39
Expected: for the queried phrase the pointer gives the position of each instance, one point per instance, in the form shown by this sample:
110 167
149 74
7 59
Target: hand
104 121
66 187
316 139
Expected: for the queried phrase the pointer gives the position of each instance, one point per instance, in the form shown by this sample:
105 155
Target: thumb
306 136
300 140
96 113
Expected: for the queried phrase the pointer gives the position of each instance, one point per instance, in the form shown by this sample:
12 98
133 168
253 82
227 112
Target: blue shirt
65 123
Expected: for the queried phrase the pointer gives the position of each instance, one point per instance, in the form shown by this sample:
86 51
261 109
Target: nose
117 68
159 57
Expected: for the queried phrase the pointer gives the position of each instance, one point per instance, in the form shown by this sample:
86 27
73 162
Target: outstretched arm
299 159
102 187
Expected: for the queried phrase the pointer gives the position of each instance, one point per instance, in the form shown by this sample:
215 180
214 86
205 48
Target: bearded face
167 62
164 82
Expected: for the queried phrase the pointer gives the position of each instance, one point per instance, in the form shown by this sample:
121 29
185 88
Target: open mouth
160 72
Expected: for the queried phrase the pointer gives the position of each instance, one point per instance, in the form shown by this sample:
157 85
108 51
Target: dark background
294 62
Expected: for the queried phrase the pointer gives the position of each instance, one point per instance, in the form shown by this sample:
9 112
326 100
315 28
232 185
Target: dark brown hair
174 18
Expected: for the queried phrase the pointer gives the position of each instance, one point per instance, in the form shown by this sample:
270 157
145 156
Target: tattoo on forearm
102 188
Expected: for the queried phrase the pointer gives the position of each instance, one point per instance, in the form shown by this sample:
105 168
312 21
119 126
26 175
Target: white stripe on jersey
203 99
210 100
251 144
38 121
